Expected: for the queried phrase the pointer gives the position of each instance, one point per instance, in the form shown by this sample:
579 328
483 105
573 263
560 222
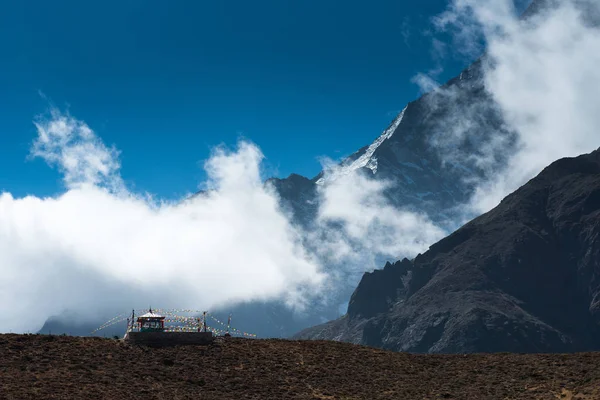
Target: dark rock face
408 153
298 196
524 277
381 288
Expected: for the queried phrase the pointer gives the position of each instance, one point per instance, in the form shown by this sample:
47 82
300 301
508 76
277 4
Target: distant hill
72 324
55 367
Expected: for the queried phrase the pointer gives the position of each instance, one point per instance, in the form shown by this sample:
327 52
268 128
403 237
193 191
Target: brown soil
56 367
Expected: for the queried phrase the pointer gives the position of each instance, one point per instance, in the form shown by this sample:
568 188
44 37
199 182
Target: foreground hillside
522 278
41 366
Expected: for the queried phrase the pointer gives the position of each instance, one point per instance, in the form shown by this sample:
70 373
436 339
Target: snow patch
372 164
367 159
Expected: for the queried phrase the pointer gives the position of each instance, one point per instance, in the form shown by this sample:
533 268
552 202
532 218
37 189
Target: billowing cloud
73 147
94 247
542 75
98 247
360 224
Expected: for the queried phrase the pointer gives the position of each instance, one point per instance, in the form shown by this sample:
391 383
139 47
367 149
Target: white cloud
77 151
92 249
98 248
425 81
542 73
546 80
356 222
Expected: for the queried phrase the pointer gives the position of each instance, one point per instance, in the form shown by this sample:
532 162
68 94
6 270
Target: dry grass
54 367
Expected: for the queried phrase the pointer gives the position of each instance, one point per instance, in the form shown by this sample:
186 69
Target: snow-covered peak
367 159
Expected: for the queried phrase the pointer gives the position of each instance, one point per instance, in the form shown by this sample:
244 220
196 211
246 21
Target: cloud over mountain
541 72
99 247
71 251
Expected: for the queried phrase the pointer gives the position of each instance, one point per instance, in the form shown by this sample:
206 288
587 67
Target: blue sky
167 81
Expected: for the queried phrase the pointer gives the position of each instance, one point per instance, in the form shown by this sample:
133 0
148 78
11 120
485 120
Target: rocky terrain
57 367
524 277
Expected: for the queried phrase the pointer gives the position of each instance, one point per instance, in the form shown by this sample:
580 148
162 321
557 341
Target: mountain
524 277
431 151
55 367
74 324
419 181
429 170
408 154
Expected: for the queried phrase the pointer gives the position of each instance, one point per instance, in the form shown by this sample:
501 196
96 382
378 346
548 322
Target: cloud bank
359 224
230 244
99 248
542 75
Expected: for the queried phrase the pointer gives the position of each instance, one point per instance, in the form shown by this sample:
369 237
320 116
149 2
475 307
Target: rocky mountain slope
408 154
54 367
524 277
419 180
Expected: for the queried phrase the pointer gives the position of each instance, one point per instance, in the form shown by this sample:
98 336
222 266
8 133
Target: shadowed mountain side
524 277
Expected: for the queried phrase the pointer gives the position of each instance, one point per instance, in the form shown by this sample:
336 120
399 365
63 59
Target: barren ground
57 367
